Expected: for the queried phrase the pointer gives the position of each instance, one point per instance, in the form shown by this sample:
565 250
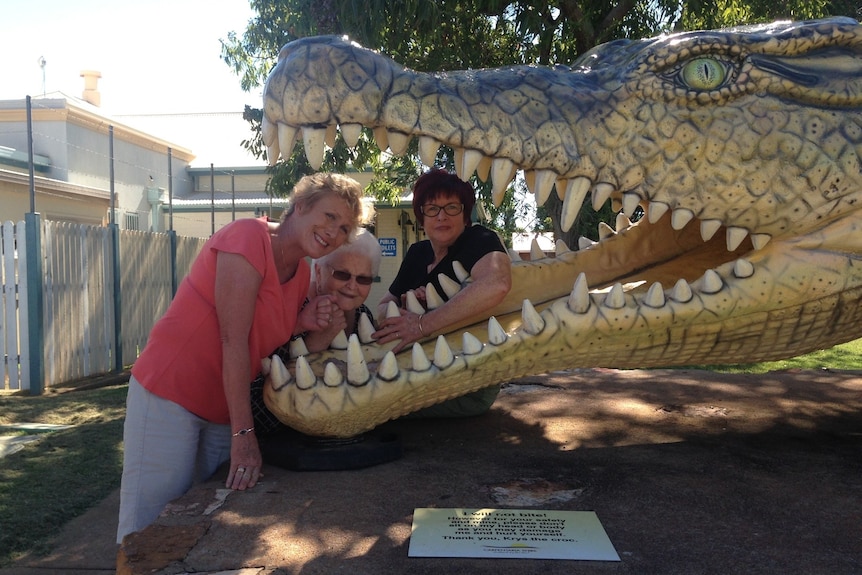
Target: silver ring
241 469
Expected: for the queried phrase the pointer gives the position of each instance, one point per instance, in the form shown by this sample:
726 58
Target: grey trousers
166 449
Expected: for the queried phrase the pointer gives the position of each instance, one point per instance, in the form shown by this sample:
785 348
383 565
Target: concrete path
11 443
689 472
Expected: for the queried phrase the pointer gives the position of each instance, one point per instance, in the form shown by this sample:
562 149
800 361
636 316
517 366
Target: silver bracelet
243 432
422 333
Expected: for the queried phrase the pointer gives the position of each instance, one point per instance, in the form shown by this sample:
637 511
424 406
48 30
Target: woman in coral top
188 408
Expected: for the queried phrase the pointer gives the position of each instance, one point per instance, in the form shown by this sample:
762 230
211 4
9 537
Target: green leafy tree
434 35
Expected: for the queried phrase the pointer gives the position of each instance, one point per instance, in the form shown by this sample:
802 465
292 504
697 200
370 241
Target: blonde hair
363 244
310 189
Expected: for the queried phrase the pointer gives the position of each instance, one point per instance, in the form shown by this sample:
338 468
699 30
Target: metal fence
80 298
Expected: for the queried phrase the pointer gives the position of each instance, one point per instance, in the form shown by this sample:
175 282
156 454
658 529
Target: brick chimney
91 87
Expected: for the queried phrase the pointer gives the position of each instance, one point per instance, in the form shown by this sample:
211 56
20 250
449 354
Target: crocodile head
741 147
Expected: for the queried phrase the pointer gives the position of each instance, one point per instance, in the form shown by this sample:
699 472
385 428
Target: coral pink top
182 360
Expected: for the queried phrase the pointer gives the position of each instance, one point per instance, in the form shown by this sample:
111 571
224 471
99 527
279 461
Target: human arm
319 340
236 288
491 280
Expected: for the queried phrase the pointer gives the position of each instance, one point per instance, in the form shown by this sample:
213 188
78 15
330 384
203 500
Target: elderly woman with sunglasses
442 204
345 277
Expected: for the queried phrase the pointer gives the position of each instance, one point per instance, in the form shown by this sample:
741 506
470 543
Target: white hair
363 244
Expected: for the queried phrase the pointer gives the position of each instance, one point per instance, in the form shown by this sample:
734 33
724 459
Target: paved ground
689 472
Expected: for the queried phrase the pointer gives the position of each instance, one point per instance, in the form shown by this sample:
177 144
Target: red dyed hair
436 183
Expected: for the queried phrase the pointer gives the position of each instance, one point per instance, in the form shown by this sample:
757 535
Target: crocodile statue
741 147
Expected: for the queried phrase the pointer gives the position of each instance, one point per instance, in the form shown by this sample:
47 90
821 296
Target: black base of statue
293 450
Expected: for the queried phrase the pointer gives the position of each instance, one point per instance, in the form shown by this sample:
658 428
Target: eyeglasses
432 210
344 276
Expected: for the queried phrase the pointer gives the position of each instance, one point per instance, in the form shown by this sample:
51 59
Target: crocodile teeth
432 298
681 291
576 191
420 360
278 374
680 217
536 252
656 210
711 282
579 299
483 170
561 248
366 328
601 193
297 348
357 370
540 182
759 241
398 142
412 303
631 201
312 139
268 131
622 223
272 153
443 356
381 138
743 269
735 236
392 310
339 341
496 334
332 376
450 286
605 231
502 172
305 378
615 298
466 162
265 365
532 321
471 344
584 243
708 228
428 150
351 133
460 272
655 296
287 136
331 133
388 370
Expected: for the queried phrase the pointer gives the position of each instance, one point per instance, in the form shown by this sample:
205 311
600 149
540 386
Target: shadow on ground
689 472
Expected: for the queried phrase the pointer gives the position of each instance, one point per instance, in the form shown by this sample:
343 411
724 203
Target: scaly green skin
742 146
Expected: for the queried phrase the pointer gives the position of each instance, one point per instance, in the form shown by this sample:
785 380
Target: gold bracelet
422 333
243 432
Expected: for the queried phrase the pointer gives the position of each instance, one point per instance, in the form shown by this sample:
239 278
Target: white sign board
514 533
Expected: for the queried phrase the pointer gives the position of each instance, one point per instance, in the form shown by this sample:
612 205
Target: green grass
847 356
47 484
50 482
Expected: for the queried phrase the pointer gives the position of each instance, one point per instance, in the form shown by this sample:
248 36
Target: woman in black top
442 204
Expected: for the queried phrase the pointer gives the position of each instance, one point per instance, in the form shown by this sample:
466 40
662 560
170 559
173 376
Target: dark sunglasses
344 276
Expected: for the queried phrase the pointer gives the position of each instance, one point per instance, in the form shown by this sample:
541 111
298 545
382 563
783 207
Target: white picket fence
78 320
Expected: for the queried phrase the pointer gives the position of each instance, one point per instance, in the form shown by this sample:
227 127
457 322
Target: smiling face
323 225
348 293
444 229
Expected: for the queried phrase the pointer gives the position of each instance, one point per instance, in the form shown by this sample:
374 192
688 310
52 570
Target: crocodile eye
703 74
